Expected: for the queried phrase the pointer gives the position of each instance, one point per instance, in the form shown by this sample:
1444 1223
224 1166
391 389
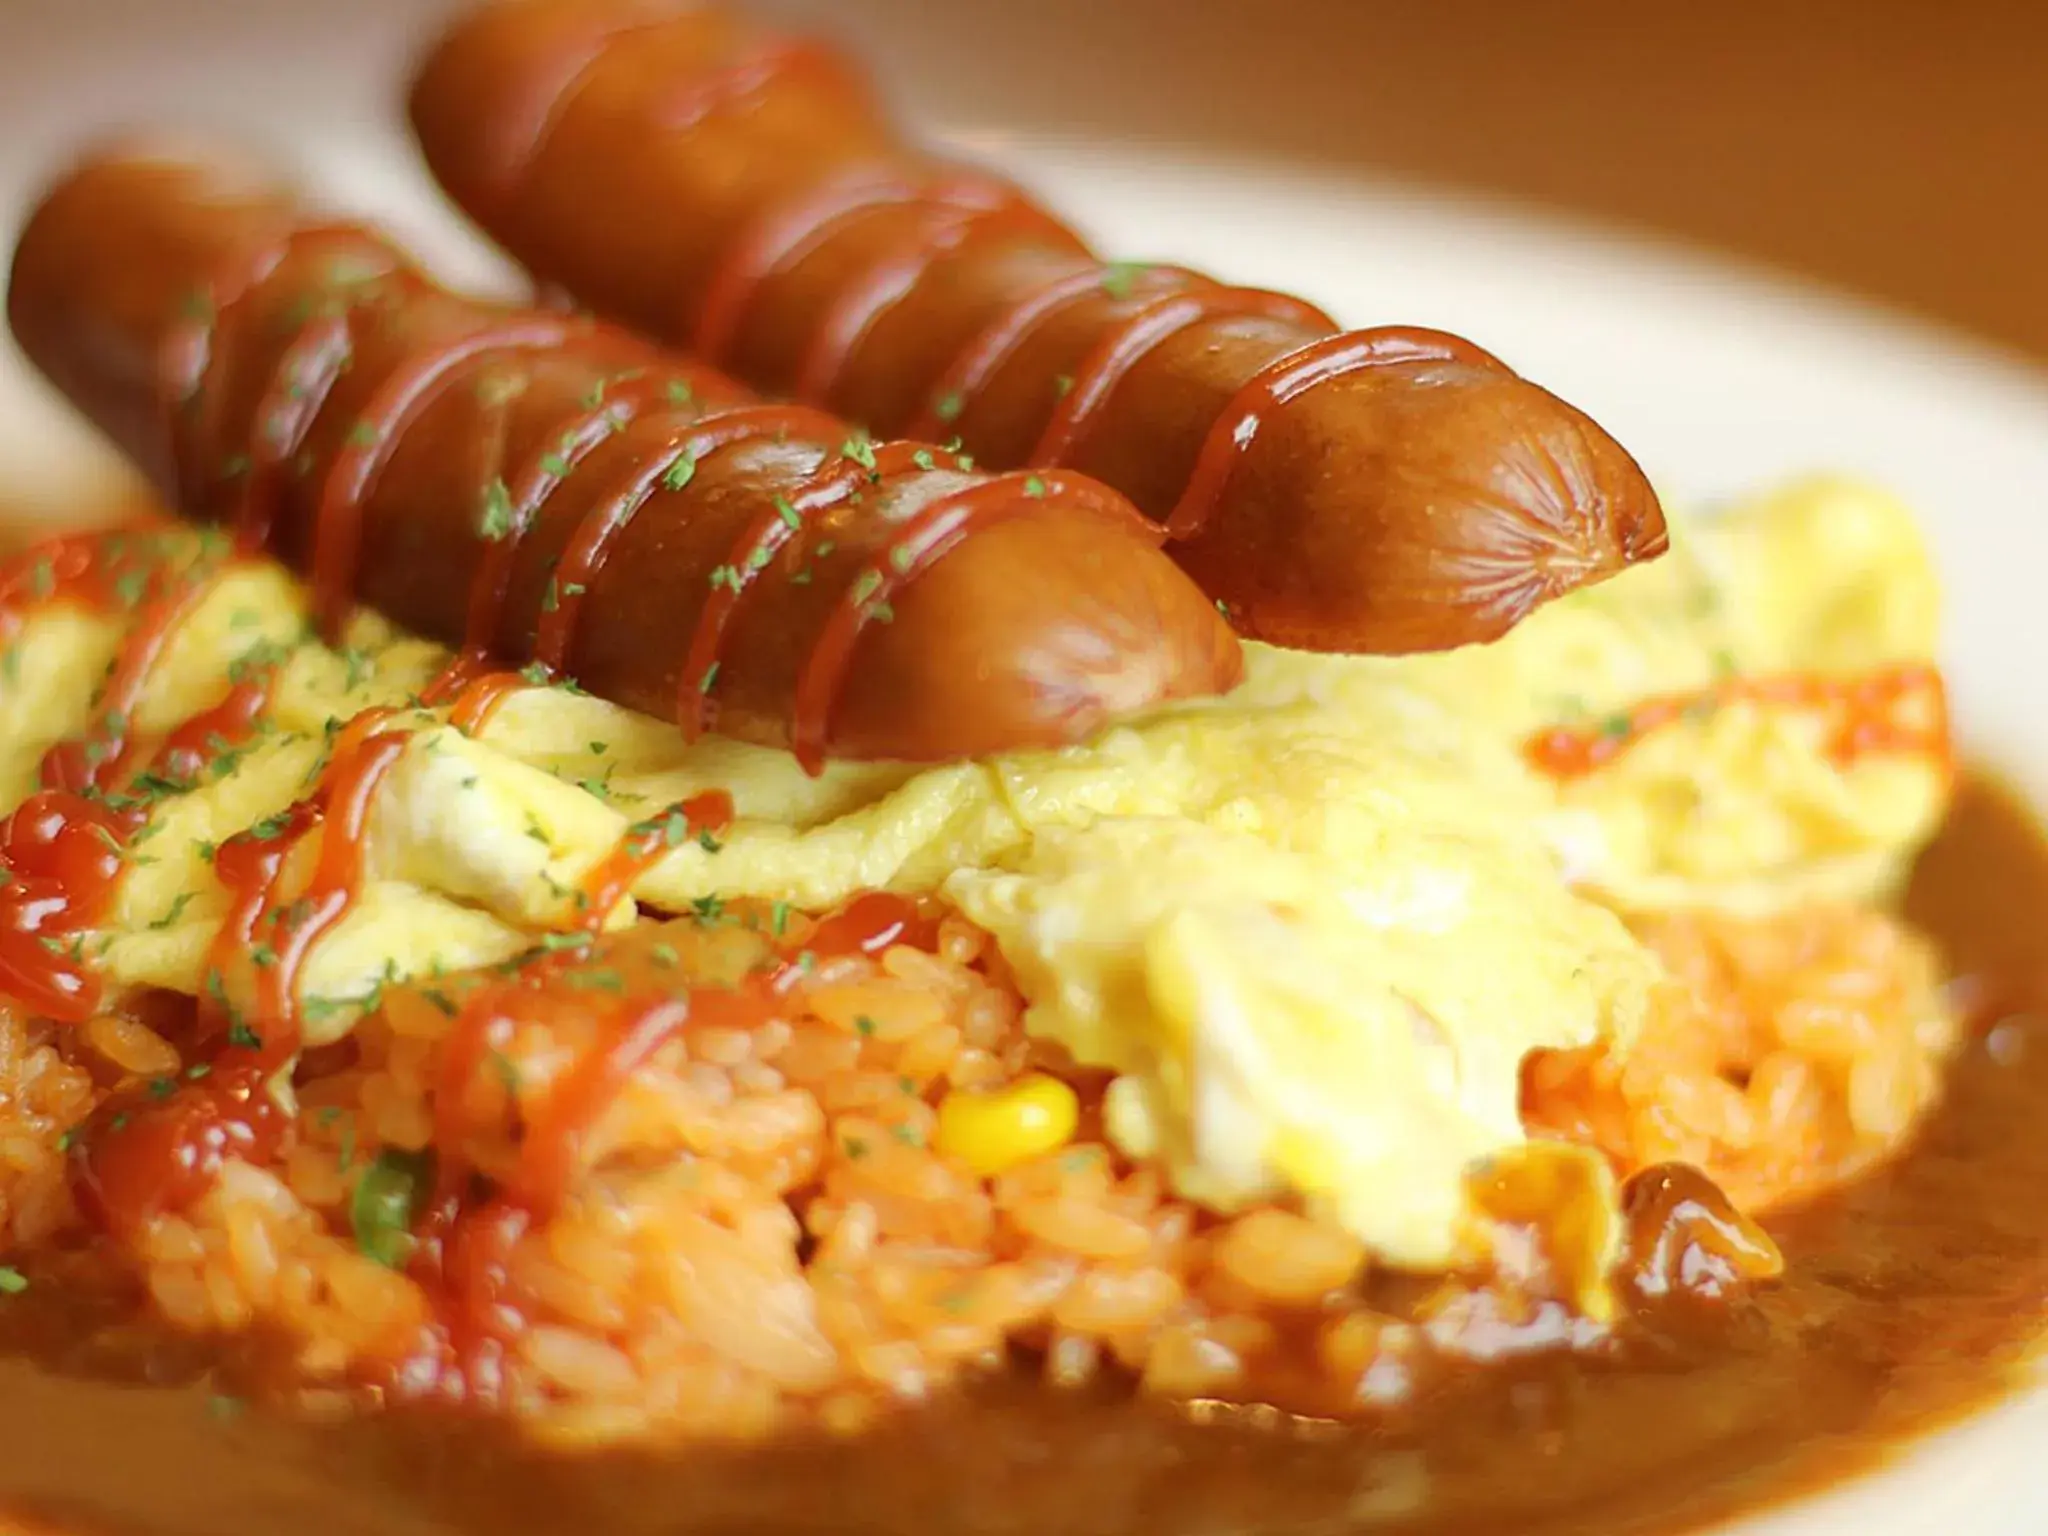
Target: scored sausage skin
742 194
543 487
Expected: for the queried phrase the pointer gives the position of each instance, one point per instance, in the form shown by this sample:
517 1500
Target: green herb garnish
381 1211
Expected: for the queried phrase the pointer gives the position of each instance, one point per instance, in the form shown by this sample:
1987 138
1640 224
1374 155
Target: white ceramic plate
1718 379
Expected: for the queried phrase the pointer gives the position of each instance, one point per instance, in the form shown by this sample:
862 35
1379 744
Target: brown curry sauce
1909 1299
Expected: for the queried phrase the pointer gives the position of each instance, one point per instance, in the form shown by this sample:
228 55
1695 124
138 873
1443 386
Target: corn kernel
994 1131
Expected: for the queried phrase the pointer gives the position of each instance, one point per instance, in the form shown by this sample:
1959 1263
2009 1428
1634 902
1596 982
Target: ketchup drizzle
91 762
1151 324
62 856
871 923
404 393
186 355
530 487
859 306
990 350
755 550
306 375
740 80
273 934
1287 378
590 545
783 236
1901 710
62 850
917 544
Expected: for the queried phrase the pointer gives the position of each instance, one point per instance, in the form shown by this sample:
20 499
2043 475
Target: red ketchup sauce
921 539
871 923
63 849
158 1148
1900 711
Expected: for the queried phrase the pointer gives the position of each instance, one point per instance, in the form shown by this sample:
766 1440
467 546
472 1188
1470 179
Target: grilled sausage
542 487
741 194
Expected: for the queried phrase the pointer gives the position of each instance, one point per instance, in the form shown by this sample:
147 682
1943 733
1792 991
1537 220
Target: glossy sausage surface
538 487
741 194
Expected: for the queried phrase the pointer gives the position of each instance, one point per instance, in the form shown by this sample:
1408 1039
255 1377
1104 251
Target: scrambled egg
1314 926
1737 803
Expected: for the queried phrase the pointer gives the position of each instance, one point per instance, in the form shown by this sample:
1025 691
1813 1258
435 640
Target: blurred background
1889 148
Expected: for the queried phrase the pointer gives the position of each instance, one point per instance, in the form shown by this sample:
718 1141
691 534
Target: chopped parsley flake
949 405
12 1281
381 1210
495 521
860 448
1119 277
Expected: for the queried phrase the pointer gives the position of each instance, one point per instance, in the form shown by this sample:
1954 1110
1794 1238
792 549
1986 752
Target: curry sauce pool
1909 1297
